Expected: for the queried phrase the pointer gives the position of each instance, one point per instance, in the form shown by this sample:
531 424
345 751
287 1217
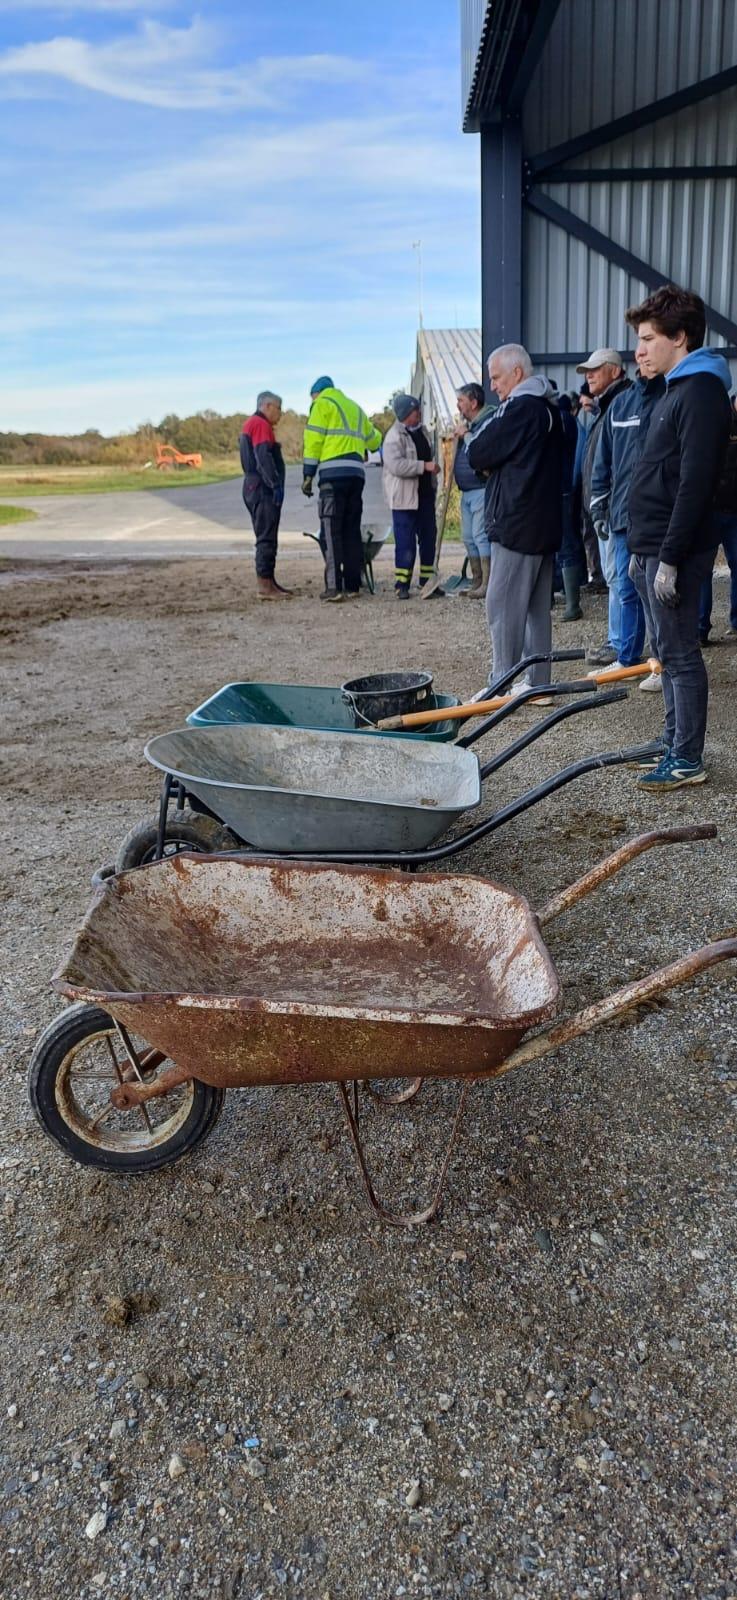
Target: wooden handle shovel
483 708
433 584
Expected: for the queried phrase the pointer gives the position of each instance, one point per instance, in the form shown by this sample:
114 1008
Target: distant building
445 359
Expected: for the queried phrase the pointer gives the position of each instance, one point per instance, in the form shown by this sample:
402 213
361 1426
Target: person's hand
277 495
460 430
633 568
665 584
307 487
601 529
431 466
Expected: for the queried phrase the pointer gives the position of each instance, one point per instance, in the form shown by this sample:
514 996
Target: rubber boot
475 589
479 593
572 586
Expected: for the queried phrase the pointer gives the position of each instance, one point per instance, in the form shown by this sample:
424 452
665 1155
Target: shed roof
449 358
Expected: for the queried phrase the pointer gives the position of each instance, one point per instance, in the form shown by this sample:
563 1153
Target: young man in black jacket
520 448
672 529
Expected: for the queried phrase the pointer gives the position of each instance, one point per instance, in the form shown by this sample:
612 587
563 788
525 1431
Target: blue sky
197 203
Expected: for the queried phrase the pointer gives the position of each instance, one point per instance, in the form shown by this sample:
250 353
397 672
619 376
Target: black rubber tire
192 830
47 1069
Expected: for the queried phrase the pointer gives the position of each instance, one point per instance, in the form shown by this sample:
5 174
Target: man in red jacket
263 489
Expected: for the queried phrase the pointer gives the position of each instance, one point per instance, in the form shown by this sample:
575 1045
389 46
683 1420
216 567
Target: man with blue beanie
337 440
672 528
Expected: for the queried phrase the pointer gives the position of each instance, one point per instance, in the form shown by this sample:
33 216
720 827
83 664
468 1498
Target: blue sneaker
673 772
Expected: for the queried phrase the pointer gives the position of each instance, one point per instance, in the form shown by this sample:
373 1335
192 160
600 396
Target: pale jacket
402 469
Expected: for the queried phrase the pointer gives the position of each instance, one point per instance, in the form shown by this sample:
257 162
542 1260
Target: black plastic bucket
388 694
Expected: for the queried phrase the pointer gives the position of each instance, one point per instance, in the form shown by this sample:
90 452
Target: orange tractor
167 458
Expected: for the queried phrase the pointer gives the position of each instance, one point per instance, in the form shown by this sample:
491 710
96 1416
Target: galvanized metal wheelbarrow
311 795
242 973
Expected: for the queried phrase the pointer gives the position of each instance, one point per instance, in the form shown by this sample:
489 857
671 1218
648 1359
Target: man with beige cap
605 376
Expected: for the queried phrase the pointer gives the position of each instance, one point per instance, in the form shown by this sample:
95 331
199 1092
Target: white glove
633 568
601 529
665 584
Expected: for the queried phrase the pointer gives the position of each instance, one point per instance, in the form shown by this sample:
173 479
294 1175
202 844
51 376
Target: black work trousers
340 505
264 514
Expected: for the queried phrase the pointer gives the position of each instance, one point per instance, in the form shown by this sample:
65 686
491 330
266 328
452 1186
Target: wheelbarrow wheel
78 1059
185 830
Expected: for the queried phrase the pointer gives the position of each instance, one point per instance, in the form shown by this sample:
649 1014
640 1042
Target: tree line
208 432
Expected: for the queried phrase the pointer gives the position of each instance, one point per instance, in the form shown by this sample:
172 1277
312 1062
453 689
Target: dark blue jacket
621 438
463 472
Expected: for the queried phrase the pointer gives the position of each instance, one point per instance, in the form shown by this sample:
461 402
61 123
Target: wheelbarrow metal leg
400 1219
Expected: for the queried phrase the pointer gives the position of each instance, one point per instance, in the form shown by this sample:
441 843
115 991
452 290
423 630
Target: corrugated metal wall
603 59
473 15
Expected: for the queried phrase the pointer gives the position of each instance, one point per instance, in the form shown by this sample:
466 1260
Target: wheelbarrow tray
292 789
262 972
296 705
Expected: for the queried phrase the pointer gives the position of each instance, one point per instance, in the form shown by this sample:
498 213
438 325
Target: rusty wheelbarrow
239 973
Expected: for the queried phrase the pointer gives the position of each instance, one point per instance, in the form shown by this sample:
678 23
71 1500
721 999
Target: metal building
608 133
446 359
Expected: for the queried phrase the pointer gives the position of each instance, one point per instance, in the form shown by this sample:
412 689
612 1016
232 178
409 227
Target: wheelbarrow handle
614 1005
511 703
606 869
592 702
496 686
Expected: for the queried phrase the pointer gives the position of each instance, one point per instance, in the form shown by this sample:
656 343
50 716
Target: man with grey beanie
409 485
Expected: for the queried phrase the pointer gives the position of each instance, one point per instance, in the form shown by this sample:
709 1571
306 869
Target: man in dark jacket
474 411
263 489
621 440
605 379
520 447
672 528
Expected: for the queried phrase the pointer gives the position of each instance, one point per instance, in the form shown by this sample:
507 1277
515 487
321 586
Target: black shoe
332 594
401 591
705 641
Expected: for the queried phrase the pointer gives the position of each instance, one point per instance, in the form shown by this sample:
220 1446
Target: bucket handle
365 722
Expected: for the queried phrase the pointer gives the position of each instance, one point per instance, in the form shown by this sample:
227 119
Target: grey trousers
518 610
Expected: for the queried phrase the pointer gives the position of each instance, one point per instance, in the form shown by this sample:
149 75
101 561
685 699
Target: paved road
175 521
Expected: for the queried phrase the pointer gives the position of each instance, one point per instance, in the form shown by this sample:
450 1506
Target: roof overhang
511 43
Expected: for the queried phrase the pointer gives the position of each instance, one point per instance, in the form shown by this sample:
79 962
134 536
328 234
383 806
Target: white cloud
372 155
165 67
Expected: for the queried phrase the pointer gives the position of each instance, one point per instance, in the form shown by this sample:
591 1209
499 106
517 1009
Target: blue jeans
473 529
608 557
631 636
726 525
685 684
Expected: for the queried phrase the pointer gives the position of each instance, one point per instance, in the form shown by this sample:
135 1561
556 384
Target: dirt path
535 1396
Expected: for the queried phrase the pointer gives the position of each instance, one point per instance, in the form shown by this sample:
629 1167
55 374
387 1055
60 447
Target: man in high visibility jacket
337 440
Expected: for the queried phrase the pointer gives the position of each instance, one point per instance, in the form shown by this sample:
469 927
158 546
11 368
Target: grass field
16 514
106 480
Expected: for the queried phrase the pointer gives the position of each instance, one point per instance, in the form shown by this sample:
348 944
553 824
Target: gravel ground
227 1379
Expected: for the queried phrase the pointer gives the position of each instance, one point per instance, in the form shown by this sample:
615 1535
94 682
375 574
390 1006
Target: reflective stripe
631 422
313 428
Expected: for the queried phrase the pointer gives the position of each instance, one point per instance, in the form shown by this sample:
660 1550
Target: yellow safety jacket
337 436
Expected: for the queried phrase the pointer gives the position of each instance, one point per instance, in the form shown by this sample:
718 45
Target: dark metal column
501 235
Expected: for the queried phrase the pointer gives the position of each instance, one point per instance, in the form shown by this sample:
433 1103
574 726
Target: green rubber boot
572 586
